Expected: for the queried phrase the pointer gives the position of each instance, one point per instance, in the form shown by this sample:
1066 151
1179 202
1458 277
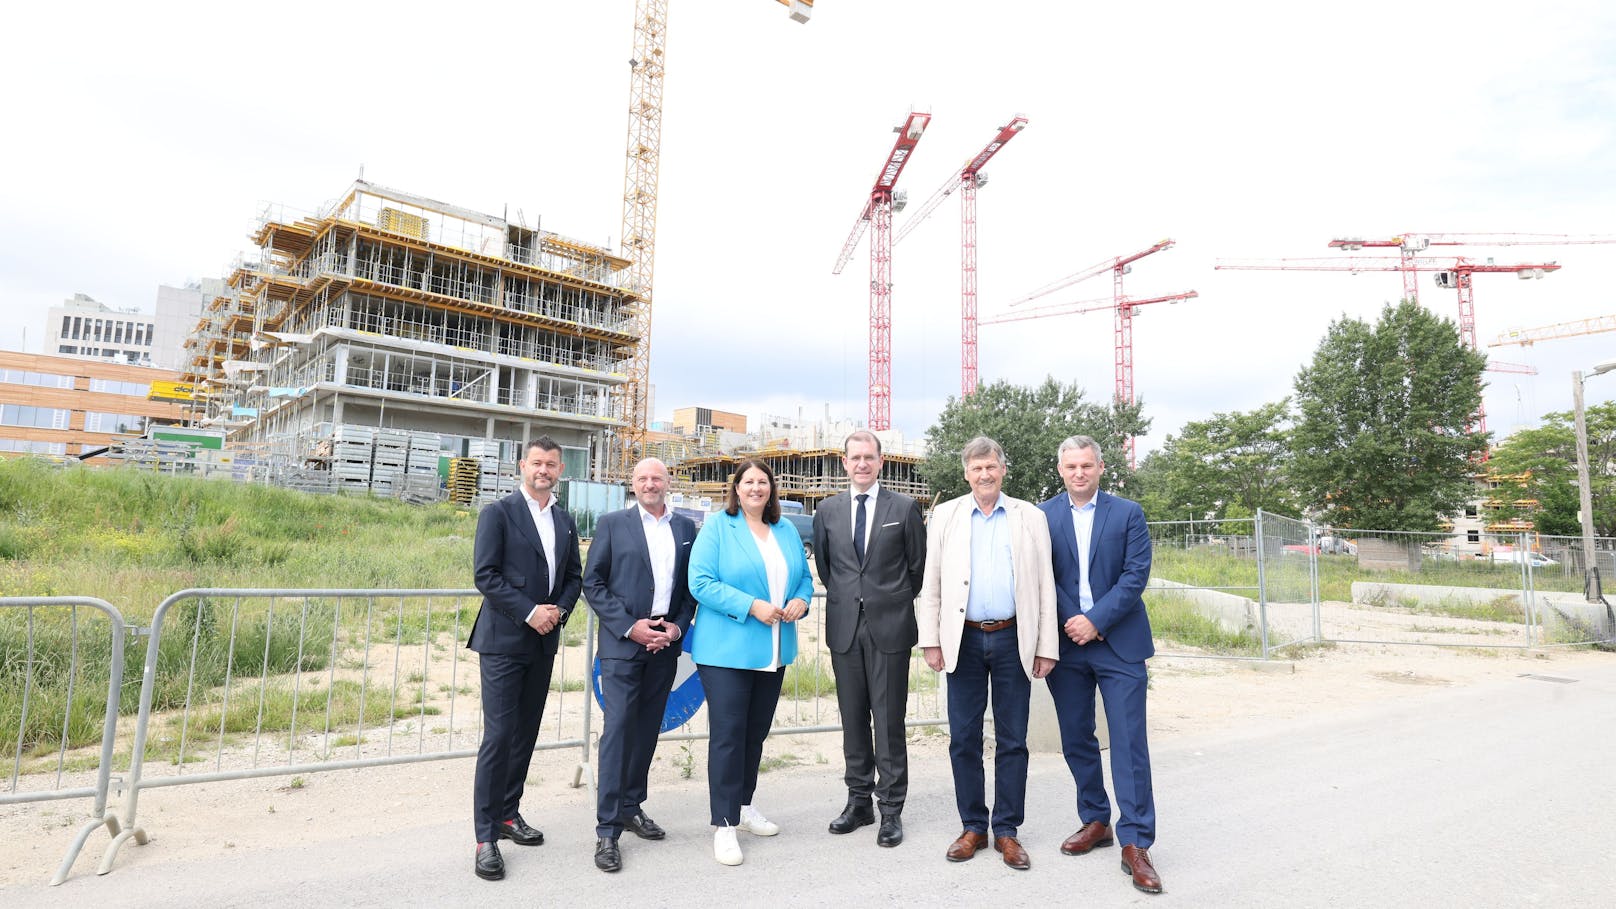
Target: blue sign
683 701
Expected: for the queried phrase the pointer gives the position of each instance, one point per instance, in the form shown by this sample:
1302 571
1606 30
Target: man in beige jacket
987 617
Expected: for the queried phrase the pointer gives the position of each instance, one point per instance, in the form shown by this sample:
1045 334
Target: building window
26 446
39 417
95 421
115 387
1473 536
40 379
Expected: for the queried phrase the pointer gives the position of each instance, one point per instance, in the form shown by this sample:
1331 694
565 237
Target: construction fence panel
245 683
1398 587
1288 561
1571 610
808 694
61 679
1205 592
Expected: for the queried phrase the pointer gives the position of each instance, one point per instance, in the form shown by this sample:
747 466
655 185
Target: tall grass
131 538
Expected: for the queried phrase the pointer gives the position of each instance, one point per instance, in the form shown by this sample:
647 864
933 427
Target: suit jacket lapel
522 517
637 540
1102 510
885 505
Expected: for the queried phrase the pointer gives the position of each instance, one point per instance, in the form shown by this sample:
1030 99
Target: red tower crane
1454 273
878 209
1410 245
967 180
1123 305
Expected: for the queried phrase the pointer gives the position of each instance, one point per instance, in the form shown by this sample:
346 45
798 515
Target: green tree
1030 422
1541 464
1232 459
1382 438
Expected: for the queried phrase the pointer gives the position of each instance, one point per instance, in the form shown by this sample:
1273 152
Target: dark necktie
858 528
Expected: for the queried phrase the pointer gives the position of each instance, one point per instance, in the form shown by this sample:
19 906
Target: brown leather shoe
1090 836
1136 861
966 847
1014 855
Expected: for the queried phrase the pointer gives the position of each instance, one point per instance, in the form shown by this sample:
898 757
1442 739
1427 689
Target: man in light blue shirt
986 615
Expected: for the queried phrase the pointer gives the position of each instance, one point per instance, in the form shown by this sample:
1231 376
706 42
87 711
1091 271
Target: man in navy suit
636 584
1101 553
528 570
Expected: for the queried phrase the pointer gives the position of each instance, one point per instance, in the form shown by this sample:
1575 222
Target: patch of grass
561 684
778 762
241 715
1176 619
685 760
808 678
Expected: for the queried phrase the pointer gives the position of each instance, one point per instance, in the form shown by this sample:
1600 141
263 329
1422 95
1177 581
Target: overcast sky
143 140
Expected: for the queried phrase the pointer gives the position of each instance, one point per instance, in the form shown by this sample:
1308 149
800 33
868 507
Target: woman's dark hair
732 496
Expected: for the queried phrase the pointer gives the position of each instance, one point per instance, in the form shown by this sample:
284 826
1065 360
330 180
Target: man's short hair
543 443
981 447
862 435
1088 442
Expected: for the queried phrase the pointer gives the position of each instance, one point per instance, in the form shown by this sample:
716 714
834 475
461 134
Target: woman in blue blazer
751 583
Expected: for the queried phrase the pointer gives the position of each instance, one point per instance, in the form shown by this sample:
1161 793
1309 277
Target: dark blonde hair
732 497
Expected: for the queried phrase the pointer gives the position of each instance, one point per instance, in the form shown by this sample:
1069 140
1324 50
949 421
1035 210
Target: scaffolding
808 477
393 310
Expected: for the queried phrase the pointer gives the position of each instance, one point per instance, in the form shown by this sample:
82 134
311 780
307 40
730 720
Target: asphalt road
1495 795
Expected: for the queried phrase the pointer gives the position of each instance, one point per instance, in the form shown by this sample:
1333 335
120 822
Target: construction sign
183 392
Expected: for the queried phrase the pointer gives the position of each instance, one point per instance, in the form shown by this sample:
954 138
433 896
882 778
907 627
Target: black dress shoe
607 856
858 813
517 831
490 865
891 832
643 827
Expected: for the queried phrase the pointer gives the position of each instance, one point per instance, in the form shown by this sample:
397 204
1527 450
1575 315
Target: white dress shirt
1083 527
659 542
544 520
869 513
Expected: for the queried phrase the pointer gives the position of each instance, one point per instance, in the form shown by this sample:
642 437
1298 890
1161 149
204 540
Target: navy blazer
618 584
513 577
1119 569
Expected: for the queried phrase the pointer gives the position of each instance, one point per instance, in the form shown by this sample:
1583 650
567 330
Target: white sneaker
753 822
725 847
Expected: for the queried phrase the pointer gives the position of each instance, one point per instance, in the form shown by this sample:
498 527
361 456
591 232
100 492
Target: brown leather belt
1000 625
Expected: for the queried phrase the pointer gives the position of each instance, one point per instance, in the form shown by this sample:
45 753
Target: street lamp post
1591 584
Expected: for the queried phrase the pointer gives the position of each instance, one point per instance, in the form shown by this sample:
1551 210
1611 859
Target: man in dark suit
870 549
636 584
528 570
1101 554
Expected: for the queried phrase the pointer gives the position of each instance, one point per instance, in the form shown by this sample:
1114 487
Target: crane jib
889 176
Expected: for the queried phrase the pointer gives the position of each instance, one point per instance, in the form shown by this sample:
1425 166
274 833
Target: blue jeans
989 659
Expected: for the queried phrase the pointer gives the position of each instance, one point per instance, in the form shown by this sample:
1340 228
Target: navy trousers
635 693
513 693
1122 689
989 660
740 710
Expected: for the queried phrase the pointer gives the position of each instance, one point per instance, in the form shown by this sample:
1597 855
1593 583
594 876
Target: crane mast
876 215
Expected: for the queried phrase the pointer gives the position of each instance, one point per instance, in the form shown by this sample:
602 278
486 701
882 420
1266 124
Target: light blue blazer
726 575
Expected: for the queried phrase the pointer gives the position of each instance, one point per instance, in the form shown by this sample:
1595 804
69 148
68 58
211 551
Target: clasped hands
769 614
654 634
545 617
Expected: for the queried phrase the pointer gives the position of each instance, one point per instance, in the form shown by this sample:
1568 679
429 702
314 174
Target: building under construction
808 477
389 310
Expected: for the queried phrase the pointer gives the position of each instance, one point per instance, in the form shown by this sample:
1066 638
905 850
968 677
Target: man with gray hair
986 616
1101 565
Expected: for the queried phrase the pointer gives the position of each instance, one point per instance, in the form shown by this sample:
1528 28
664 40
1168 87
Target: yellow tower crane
640 207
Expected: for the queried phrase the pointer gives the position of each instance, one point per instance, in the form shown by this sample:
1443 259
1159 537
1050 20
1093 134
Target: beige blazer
940 611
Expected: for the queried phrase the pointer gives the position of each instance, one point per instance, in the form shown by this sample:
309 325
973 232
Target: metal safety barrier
41 671
309 680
